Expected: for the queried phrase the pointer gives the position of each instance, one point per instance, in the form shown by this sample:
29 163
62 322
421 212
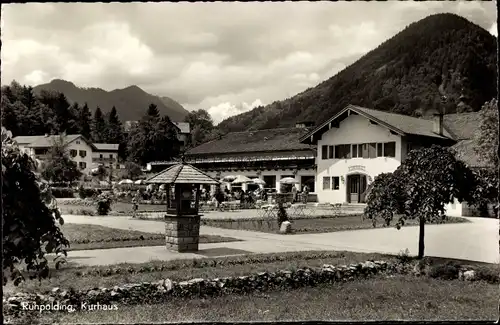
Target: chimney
437 125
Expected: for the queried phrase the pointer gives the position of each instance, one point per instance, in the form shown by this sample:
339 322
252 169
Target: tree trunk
421 234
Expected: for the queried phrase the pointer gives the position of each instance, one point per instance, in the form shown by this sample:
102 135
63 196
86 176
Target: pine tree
85 122
153 111
74 123
9 116
98 127
63 114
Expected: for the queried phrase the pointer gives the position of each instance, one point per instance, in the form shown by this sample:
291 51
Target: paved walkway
476 241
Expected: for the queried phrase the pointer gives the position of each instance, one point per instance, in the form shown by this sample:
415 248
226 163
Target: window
346 148
73 153
372 150
324 152
110 156
380 149
390 149
365 150
82 164
77 141
100 155
270 182
354 150
326 183
335 183
330 152
309 181
337 152
83 153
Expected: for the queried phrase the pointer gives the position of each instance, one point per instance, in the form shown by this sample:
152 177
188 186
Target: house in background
184 133
78 147
105 154
270 155
84 153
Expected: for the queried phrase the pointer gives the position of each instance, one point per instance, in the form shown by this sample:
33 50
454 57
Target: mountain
131 102
440 56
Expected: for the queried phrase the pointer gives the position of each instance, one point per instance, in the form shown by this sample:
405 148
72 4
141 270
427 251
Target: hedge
62 192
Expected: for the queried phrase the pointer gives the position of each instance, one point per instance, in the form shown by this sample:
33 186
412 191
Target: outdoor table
268 210
298 210
336 208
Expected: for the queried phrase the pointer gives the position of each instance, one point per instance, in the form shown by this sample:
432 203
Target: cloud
494 30
216 56
225 110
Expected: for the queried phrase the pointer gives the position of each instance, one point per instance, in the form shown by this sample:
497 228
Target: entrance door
354 188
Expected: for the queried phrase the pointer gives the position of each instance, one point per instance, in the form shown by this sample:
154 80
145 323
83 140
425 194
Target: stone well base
182 233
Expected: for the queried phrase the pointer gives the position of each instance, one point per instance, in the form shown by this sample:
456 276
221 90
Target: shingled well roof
182 174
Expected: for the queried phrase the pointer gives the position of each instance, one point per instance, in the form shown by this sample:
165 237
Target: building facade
79 149
266 154
105 154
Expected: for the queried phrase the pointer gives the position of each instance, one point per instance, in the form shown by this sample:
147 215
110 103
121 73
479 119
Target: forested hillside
441 56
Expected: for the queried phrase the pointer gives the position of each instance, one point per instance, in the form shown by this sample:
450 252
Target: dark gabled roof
401 124
462 125
282 139
106 146
182 174
46 141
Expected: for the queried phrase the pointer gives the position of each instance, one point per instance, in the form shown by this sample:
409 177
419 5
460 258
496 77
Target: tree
153 111
420 188
29 225
9 116
85 122
153 139
59 167
486 140
98 127
132 170
114 128
201 124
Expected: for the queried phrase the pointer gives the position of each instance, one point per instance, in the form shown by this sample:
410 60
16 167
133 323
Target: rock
168 284
286 227
469 275
196 281
55 290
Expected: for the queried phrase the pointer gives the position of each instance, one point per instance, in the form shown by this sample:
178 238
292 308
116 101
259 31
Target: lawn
310 225
377 298
87 236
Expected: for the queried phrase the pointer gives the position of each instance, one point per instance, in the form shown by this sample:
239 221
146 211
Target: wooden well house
182 221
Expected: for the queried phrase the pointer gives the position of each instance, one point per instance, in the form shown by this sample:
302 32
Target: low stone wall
165 289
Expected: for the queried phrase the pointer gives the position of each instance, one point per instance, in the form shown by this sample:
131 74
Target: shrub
62 192
448 271
85 192
488 275
85 212
104 202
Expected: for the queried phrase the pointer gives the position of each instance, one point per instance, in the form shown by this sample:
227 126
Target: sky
223 57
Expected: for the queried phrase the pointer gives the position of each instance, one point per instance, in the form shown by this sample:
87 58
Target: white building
105 154
357 144
79 149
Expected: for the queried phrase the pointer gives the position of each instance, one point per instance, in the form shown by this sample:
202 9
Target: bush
62 192
85 212
104 202
488 275
448 271
90 192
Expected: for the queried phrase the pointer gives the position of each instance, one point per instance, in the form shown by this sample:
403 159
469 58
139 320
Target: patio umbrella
138 182
126 181
258 181
241 179
228 178
289 180
103 183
